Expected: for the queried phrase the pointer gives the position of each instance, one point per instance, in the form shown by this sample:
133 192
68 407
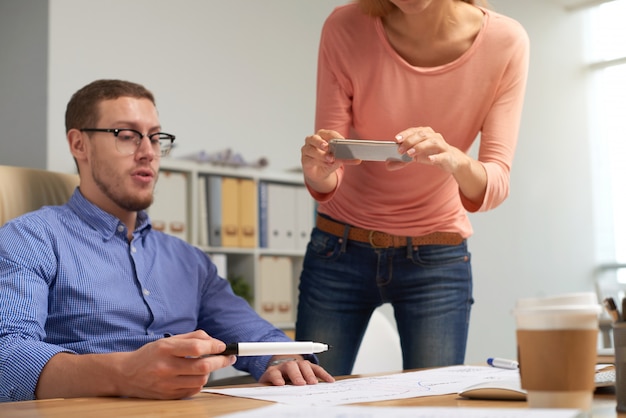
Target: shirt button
120 228
133 249
146 292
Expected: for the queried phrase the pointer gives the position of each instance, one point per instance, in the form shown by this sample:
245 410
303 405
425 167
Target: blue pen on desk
502 363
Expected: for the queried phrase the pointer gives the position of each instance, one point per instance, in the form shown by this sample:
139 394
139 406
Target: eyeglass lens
129 141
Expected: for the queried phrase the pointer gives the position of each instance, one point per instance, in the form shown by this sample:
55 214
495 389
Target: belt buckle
371 240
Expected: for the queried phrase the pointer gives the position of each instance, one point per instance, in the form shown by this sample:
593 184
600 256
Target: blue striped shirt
71 281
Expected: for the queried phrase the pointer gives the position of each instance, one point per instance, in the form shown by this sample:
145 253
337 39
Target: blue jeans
429 287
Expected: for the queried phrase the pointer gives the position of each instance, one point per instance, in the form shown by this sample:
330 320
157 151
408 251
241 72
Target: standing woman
431 75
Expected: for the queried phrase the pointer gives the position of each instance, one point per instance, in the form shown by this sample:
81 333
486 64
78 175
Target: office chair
380 349
23 190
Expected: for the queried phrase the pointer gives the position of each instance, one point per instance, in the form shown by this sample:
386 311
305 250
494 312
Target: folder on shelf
286 216
230 212
203 212
214 206
276 303
281 216
262 205
220 261
305 217
247 213
168 212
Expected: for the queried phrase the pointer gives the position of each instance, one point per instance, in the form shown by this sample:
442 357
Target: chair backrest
23 190
380 349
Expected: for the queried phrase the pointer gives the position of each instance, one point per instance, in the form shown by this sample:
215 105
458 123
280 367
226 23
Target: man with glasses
90 290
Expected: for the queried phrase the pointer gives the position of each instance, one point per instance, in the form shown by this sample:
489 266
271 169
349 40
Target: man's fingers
188 345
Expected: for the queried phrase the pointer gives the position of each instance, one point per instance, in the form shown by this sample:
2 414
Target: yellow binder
230 212
248 235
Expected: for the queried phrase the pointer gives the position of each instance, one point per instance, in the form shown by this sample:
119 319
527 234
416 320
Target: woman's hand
426 146
318 163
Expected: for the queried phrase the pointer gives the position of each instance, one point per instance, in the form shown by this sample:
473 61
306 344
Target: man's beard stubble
126 202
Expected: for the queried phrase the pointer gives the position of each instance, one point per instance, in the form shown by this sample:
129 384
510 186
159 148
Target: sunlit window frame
611 245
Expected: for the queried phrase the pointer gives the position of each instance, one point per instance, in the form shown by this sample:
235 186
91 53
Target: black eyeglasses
127 141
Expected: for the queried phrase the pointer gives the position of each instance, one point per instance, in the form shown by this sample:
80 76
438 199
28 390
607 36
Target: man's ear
78 144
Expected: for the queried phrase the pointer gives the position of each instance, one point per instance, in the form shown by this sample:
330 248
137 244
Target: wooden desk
210 405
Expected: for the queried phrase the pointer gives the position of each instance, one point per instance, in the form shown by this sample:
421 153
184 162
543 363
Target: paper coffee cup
578 298
557 350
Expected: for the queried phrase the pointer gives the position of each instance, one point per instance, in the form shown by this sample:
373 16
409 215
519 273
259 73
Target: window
606 52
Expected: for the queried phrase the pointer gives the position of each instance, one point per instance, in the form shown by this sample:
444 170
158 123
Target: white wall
241 74
540 241
234 74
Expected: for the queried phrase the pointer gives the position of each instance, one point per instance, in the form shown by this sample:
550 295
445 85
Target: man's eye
123 136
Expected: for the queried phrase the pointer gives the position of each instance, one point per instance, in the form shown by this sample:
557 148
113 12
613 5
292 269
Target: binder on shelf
281 216
276 303
214 205
230 212
286 216
247 213
305 217
220 262
168 212
203 212
262 204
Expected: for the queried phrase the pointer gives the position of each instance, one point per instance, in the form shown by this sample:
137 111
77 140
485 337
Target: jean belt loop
344 239
409 247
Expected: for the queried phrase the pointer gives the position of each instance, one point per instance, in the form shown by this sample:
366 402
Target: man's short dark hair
82 109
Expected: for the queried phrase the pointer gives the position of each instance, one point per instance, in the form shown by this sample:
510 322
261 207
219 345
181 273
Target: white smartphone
367 150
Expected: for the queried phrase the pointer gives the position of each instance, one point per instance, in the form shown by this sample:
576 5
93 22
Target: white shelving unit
246 263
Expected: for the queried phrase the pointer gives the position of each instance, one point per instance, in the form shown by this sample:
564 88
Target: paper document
292 411
440 381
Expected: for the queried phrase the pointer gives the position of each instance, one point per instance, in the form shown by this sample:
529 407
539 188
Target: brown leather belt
379 239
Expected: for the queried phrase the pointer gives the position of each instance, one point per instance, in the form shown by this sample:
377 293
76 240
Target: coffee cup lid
558 317
578 298
565 309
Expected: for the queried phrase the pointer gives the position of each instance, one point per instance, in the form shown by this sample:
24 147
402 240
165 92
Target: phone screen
367 150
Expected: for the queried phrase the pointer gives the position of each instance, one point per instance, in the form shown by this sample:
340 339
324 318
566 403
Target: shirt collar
102 221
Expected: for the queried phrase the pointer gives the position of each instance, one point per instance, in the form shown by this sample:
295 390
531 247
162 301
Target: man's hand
173 367
169 368
298 372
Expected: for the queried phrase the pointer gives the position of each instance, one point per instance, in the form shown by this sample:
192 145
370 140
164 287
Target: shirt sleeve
502 124
333 109
230 318
23 310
